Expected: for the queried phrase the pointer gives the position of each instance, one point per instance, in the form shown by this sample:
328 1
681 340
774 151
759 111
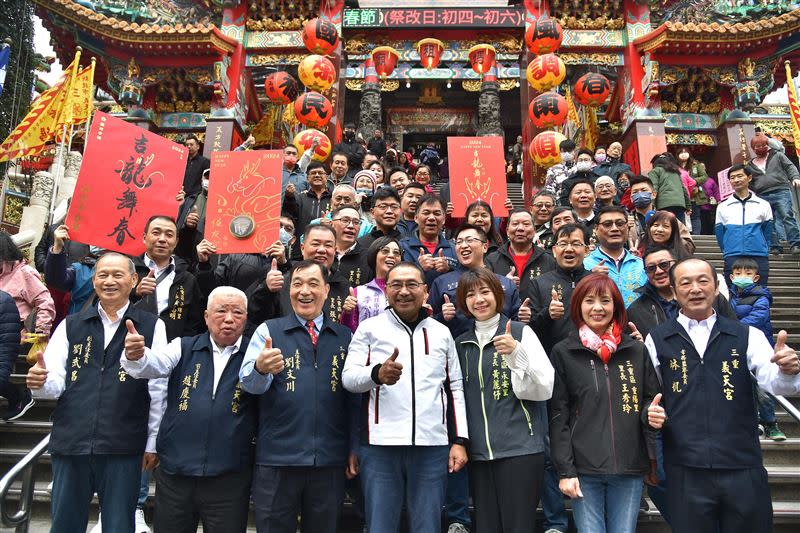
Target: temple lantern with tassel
545 72
280 88
313 110
481 57
320 36
592 89
548 110
385 59
544 148
305 140
430 52
544 37
316 72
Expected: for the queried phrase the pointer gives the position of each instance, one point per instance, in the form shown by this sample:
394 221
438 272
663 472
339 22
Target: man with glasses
414 426
305 206
542 207
611 258
351 257
385 216
605 191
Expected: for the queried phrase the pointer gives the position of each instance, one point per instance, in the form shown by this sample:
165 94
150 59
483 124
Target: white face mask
683 156
566 157
583 166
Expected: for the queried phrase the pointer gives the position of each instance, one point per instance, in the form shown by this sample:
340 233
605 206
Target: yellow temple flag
81 96
794 108
572 112
591 132
70 97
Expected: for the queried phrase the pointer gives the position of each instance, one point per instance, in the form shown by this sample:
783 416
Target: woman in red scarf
601 444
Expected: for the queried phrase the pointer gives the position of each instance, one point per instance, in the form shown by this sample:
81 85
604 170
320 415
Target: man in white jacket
407 366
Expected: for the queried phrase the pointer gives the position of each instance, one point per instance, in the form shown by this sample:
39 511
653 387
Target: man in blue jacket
294 364
427 246
205 441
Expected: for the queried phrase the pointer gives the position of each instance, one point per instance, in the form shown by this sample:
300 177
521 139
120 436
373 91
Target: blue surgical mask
285 237
366 192
742 281
642 199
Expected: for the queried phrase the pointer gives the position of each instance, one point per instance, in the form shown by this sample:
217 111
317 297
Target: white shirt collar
120 313
149 263
690 323
231 349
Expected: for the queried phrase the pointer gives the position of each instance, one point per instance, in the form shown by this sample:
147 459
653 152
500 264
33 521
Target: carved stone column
489 122
36 215
369 118
67 186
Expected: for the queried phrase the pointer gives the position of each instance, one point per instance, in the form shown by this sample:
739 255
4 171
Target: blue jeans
766 408
144 489
695 219
390 474
659 493
457 498
115 479
783 215
610 503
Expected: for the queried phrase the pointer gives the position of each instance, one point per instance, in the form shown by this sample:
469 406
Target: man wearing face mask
774 175
559 172
351 147
609 164
584 165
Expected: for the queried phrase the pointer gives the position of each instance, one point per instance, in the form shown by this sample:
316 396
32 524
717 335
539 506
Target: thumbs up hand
37 374
147 285
192 218
350 302
656 416
390 370
270 360
505 343
635 333
785 357
274 278
601 267
512 275
556 308
524 314
426 260
441 263
134 343
448 309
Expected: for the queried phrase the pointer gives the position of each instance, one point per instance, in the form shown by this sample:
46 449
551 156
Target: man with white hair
205 442
605 191
613 165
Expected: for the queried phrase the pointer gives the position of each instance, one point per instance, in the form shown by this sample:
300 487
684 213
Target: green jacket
669 189
700 176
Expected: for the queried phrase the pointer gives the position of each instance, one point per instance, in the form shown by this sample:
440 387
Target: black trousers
221 502
727 501
281 493
506 492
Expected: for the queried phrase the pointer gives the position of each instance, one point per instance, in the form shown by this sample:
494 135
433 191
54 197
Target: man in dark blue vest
306 437
205 439
716 480
105 421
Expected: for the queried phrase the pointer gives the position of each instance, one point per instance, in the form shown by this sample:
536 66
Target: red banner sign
128 174
477 172
244 200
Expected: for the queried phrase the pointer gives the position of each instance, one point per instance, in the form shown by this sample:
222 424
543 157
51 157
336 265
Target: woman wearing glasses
601 443
507 377
368 300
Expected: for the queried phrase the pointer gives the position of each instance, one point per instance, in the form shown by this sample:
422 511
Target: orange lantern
544 36
544 148
545 72
481 57
305 140
547 110
313 110
320 36
430 52
385 60
592 89
280 88
316 72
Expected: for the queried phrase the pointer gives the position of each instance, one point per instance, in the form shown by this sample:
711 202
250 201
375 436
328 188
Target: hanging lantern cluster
305 141
320 36
313 110
546 72
548 110
430 52
592 89
544 37
316 72
385 60
544 148
280 88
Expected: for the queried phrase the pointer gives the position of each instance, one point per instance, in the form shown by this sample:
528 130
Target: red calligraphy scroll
477 172
244 200
128 174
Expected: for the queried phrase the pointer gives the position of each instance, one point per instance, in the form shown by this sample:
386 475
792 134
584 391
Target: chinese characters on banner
244 200
477 172
128 175
471 17
724 184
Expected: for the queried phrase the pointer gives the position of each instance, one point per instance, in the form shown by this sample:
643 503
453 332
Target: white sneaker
98 527
141 525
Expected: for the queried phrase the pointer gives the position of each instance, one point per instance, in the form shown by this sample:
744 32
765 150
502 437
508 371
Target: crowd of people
417 361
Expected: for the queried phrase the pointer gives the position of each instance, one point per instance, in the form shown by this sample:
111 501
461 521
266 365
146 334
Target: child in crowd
752 302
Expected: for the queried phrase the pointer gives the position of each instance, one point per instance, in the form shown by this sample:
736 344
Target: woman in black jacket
507 378
602 446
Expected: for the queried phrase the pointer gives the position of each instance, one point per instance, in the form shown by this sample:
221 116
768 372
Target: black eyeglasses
618 223
665 266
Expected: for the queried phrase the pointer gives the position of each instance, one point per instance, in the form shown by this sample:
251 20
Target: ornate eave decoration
573 58
700 139
387 86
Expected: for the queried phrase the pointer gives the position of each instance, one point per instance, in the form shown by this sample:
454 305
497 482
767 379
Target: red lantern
548 110
592 89
544 36
313 110
544 148
280 88
430 52
546 72
316 72
481 57
305 140
320 36
385 60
